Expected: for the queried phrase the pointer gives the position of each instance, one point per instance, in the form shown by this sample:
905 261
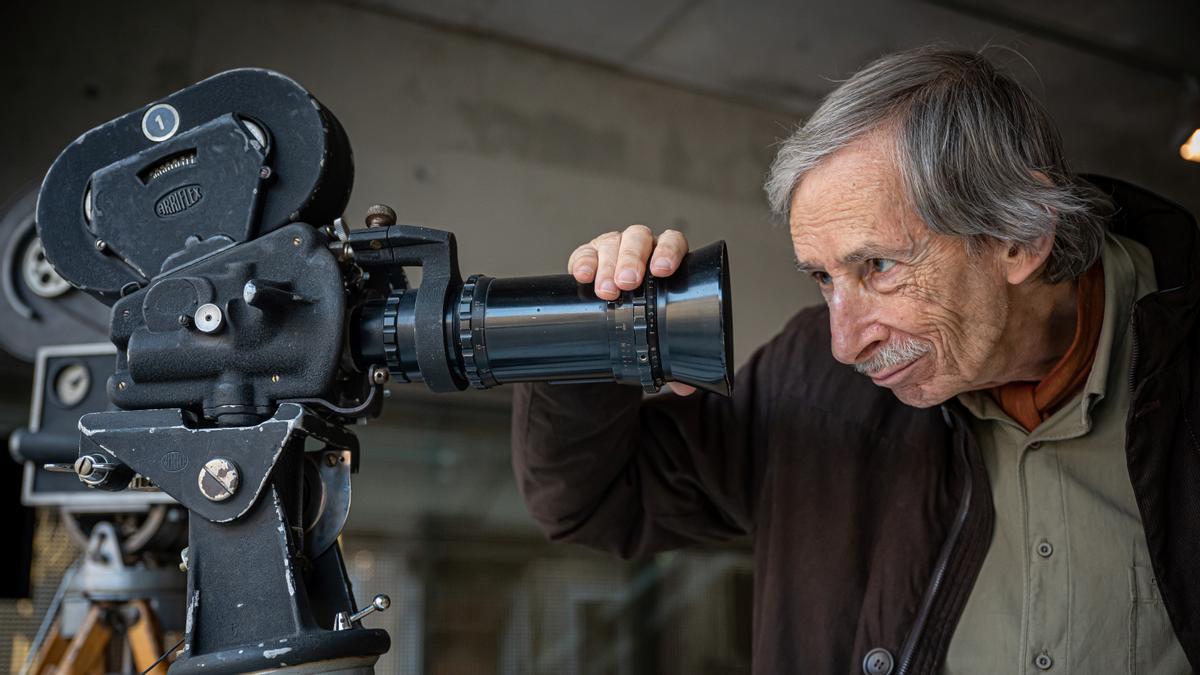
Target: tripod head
248 319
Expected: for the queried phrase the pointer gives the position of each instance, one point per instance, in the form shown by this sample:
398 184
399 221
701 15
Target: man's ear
1021 263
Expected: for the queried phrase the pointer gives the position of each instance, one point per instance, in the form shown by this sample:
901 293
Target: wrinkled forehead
852 200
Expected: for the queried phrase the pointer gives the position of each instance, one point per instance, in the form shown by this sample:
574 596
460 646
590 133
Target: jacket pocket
1153 647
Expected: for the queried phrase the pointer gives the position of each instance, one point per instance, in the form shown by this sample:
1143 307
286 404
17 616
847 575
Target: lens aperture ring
645 335
471 340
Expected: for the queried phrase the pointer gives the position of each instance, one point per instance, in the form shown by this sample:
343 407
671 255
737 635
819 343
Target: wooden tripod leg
86 652
54 645
145 639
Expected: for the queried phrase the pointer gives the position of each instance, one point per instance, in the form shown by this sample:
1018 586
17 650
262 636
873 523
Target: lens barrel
554 329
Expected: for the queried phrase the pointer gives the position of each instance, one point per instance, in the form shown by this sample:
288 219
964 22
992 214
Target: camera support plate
160 445
261 595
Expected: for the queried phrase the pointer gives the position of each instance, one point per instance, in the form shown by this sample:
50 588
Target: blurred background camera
124 590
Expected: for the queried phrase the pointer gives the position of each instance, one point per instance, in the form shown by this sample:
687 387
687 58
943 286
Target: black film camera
248 320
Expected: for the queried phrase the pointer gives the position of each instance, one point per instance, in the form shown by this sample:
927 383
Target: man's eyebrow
858 255
872 251
805 267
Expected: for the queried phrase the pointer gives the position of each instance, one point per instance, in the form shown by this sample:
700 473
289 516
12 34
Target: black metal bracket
436 253
162 446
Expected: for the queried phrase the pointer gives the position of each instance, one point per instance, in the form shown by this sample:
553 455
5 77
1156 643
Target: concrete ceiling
787 54
1112 73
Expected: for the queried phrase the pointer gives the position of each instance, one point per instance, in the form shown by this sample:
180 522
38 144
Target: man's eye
822 278
881 265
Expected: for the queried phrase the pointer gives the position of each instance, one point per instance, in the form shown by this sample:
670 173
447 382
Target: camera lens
553 329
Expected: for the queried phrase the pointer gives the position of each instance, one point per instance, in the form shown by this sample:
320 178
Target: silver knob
208 318
346 621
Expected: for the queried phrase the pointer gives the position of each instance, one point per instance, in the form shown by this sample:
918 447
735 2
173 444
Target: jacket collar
1165 318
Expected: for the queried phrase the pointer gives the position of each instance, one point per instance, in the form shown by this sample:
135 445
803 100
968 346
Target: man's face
908 307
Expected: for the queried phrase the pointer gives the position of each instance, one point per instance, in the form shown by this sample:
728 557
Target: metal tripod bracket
265 584
218 473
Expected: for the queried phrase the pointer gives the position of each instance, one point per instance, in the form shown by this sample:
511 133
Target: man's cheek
927 321
938 323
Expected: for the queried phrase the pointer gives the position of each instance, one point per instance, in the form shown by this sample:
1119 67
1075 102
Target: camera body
188 218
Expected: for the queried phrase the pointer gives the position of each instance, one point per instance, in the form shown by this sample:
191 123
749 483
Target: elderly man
997 471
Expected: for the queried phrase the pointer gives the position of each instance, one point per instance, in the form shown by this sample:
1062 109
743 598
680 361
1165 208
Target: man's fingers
617 261
681 389
582 264
668 253
636 242
607 246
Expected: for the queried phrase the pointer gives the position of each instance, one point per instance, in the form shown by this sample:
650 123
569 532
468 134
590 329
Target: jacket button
1044 549
1043 661
878 662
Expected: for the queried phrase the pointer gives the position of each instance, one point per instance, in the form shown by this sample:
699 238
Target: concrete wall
523 154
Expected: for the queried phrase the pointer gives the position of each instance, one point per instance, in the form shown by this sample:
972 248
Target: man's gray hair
978 155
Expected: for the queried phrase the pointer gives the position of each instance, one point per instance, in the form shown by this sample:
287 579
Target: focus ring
471 309
645 336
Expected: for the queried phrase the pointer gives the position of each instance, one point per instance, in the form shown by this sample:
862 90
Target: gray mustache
893 354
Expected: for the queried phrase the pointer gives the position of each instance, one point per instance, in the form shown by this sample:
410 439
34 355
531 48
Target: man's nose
853 326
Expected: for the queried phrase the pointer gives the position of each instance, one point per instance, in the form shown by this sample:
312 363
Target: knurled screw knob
380 215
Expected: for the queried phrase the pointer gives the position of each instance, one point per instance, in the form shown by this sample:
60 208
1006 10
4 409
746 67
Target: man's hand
617 261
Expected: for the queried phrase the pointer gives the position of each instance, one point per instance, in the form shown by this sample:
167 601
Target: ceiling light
1190 150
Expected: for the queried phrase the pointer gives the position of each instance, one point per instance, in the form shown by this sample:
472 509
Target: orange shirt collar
1031 403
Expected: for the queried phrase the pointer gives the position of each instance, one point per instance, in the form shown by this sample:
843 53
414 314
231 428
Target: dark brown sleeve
598 465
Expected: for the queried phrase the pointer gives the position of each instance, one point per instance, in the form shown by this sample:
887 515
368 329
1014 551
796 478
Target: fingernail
608 286
662 265
627 276
584 271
